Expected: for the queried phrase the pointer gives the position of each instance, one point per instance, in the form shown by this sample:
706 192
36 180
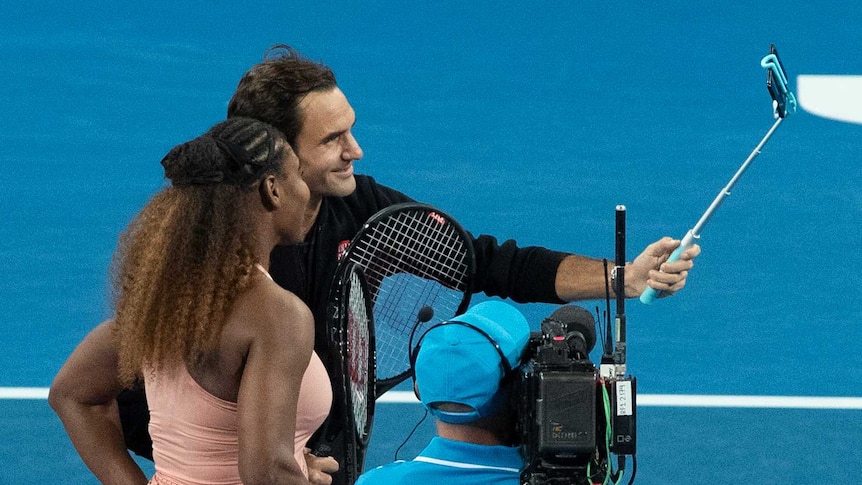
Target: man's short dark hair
271 90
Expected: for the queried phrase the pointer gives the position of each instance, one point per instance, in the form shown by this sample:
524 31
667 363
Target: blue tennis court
522 120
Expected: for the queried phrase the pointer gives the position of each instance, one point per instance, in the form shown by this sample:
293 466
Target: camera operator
464 372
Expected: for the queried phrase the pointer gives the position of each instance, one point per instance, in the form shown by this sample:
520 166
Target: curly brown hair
187 256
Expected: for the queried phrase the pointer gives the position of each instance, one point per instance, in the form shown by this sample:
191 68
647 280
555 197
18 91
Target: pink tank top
195 435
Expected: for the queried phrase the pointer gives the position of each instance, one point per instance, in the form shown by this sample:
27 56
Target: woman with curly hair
233 385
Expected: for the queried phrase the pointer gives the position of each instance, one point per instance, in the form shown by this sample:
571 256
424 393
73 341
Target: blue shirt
452 463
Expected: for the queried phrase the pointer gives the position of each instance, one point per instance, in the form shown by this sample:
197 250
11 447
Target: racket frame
355 440
378 219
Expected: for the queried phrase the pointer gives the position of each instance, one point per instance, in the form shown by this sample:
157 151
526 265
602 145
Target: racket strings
401 320
421 246
411 258
358 353
419 291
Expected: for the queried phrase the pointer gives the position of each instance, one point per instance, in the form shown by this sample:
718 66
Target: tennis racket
419 264
352 332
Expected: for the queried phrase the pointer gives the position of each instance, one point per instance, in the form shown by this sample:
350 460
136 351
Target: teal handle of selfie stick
650 294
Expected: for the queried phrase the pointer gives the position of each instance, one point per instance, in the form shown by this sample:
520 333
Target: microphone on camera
575 326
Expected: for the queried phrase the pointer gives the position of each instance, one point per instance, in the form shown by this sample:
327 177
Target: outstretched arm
583 278
83 395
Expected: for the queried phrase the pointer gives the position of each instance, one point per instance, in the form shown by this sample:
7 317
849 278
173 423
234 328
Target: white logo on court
831 96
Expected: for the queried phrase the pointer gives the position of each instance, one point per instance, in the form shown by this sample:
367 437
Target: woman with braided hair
233 385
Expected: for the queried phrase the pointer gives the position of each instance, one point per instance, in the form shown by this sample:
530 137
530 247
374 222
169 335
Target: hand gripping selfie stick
783 104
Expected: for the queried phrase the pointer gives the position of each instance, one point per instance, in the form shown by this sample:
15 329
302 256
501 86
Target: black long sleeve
526 275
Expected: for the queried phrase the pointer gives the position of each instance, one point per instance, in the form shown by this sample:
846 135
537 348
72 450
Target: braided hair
188 255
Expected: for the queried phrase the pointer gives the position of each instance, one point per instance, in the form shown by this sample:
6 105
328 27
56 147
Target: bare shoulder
268 311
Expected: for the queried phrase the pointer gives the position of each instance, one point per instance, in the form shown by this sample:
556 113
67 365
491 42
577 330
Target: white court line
657 400
831 96
717 401
23 393
711 401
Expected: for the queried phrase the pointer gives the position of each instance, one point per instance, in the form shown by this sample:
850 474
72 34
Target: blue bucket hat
458 364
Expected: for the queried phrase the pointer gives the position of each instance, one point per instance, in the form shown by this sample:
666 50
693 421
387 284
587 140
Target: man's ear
416 391
270 192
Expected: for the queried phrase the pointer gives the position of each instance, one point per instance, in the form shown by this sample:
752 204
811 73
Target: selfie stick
783 104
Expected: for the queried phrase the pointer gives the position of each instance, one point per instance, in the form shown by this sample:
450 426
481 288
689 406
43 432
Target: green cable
606 400
608 432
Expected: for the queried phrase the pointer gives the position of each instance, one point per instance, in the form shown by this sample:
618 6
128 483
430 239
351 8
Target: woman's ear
270 192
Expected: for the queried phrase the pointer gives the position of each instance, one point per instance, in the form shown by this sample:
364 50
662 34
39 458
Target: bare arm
582 278
279 352
84 396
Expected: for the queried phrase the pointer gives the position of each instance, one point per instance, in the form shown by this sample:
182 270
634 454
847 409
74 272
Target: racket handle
650 294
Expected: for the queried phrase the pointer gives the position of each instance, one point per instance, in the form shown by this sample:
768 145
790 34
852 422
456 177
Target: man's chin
343 187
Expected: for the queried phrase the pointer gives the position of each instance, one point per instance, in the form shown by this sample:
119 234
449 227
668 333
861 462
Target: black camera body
557 409
565 407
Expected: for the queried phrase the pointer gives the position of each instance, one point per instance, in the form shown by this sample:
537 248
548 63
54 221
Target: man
302 99
464 371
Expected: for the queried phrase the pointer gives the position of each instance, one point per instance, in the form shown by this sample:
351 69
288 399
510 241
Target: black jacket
307 270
